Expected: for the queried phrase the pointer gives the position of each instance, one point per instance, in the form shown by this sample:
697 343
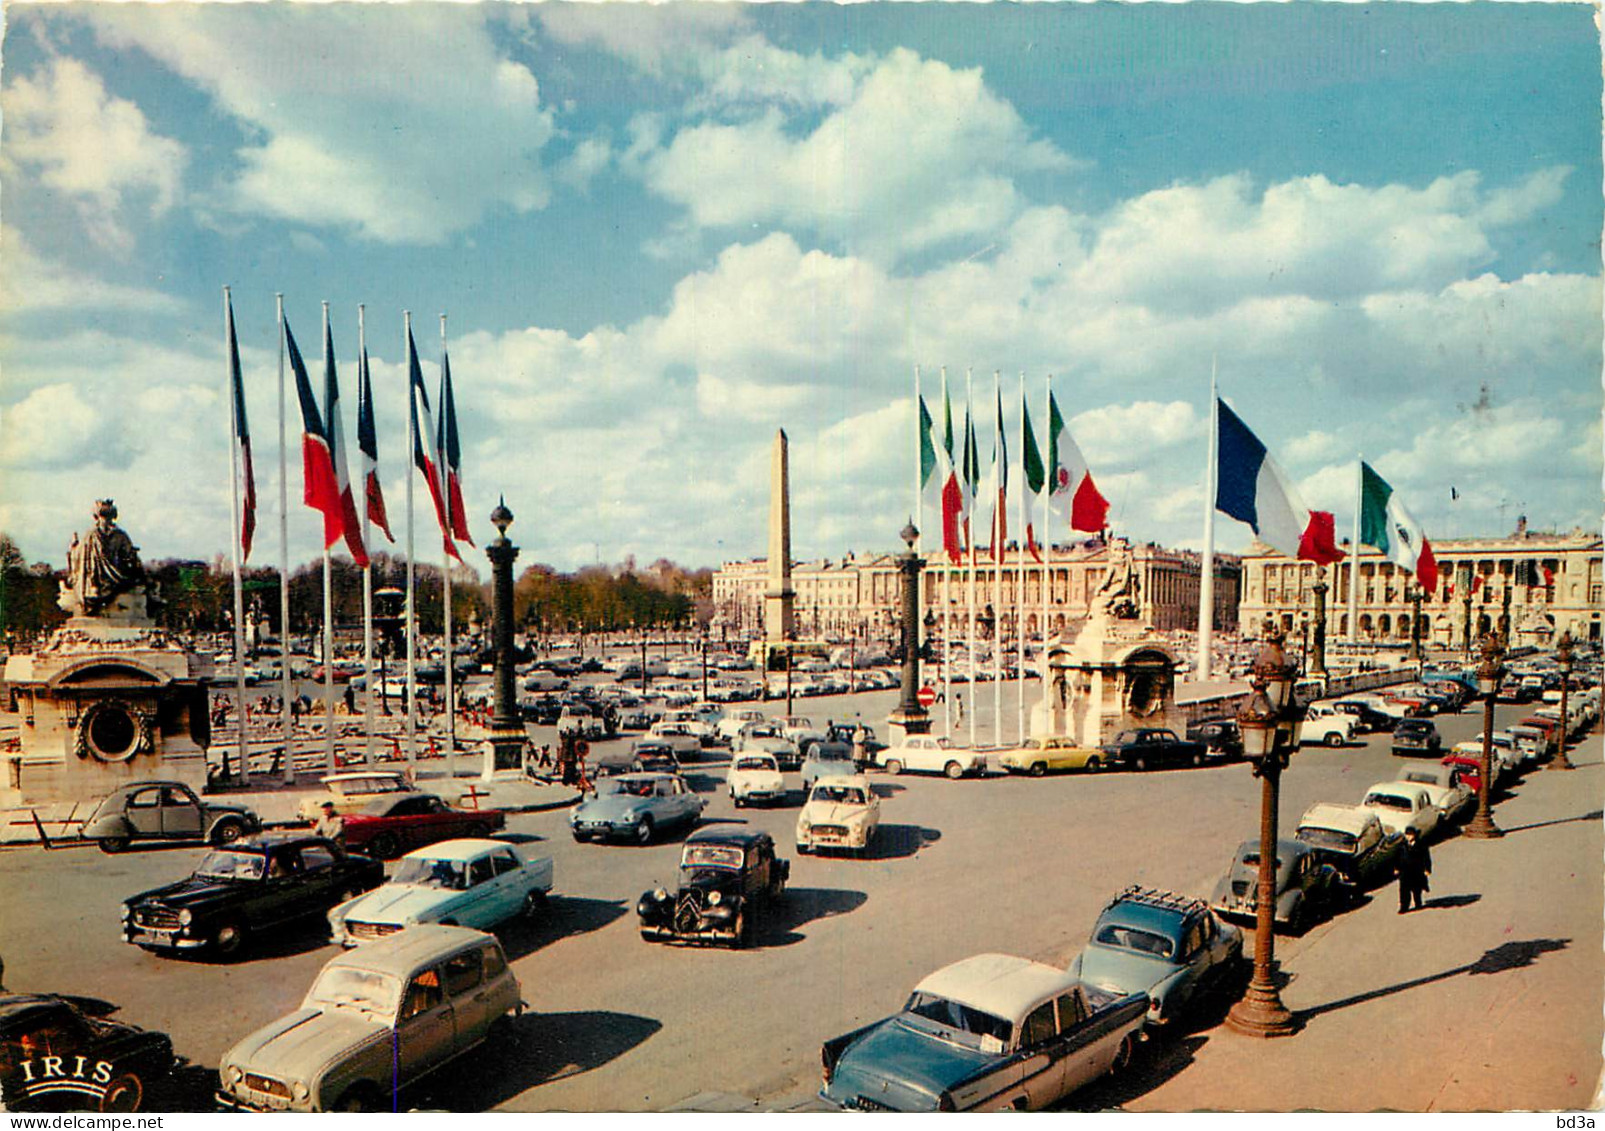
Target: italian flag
1386 524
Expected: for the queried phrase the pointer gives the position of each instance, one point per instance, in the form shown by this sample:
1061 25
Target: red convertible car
399 822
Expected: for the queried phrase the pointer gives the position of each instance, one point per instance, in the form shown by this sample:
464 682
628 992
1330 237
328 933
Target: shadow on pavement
1447 901
887 789
518 838
1509 956
540 1048
188 1088
1154 1063
1594 816
804 905
700 782
563 916
893 842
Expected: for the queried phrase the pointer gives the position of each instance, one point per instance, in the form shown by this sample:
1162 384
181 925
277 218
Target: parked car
247 888
729 726
841 812
682 738
1306 888
98 1064
1169 948
1445 788
1326 725
1469 767
931 754
728 879
802 731
1222 740
395 823
1402 805
1368 718
349 792
853 734
765 738
634 807
989 1033
827 760
755 779
1353 841
468 883
1038 756
653 758
584 721
1416 738
165 810
377 1019
1152 748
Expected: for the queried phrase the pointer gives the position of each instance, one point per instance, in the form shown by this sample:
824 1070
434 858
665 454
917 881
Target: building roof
1000 984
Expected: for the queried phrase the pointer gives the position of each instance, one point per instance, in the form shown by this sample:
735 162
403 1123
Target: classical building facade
1536 584
858 596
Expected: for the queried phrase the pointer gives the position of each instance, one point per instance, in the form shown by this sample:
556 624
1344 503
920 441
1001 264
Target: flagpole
1354 559
1206 565
947 585
1019 574
1050 470
442 473
1000 506
234 552
286 698
919 508
412 619
367 570
328 590
969 536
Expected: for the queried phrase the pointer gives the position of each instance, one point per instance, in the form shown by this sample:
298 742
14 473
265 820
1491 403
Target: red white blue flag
350 524
1251 487
450 449
368 443
425 453
319 488
242 435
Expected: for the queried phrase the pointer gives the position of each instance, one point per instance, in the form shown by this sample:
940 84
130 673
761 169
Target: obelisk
778 620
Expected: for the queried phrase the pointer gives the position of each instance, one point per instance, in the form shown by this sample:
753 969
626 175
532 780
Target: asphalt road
1003 864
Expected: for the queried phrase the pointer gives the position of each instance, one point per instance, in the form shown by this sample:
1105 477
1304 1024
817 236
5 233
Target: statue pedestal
1116 676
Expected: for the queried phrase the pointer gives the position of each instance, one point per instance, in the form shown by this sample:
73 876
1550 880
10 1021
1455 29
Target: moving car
1402 805
755 779
1037 756
654 758
247 888
634 807
1169 948
376 1020
728 728
350 791
165 810
1306 888
989 1033
58 1054
393 823
930 754
682 738
1416 738
841 812
1353 841
467 883
827 760
1221 738
1367 717
765 738
728 879
1152 748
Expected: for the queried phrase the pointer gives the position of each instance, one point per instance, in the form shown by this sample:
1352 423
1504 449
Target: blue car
635 807
1170 948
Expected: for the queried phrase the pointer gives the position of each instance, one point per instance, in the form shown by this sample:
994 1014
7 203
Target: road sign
927 697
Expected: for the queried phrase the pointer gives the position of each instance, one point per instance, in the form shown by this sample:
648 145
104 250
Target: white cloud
359 118
62 126
755 70
1315 444
652 36
1133 431
31 283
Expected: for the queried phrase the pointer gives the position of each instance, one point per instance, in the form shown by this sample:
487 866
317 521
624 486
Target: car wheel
1123 1055
111 845
385 846
123 1094
736 801
953 770
643 831
1198 758
893 766
579 838
803 850
227 832
1334 740
361 1098
1139 763
1092 765
228 938
1037 769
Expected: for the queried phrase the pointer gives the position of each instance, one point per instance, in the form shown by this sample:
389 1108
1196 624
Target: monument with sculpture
110 697
1117 675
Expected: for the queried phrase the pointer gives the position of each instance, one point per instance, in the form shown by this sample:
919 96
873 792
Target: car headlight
186 917
234 1074
715 898
127 911
660 894
300 1091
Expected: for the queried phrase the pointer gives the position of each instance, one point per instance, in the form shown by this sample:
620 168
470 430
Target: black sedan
1416 738
250 887
60 1054
1306 887
1152 748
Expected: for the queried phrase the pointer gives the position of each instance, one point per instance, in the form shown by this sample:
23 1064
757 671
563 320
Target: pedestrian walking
331 825
351 700
1415 865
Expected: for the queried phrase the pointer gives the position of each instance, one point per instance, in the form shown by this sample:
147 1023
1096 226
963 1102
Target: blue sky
662 232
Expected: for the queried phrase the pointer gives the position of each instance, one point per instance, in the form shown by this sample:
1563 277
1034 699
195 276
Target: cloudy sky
663 232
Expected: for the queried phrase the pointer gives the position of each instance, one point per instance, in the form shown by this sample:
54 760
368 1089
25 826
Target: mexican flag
1031 462
1386 524
940 490
1072 493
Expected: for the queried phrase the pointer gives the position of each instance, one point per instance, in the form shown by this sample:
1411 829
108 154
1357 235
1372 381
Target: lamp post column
1466 579
1415 623
504 750
1318 643
909 717
1482 826
1563 652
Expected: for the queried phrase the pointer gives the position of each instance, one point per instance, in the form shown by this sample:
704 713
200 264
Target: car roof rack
1155 897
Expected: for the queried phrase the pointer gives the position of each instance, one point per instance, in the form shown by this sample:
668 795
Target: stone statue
1119 596
101 566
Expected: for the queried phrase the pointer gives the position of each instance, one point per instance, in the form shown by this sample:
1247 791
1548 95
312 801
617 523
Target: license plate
155 934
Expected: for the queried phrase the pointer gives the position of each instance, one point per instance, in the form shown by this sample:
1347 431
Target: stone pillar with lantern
1489 674
504 749
909 717
1563 657
1318 639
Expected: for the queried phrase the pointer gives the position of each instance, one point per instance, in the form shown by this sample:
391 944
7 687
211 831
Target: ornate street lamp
1415 622
1318 642
1269 723
504 749
1489 674
909 717
1563 653
388 620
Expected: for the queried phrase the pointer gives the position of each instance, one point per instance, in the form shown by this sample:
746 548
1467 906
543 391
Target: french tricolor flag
368 443
425 453
350 524
320 489
449 448
1253 489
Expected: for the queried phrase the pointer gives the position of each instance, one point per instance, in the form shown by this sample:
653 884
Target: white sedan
755 778
1401 805
841 812
1448 794
931 754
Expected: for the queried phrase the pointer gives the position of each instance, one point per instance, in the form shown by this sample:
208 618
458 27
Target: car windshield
1252 859
1421 777
633 787
1387 801
367 785
711 856
450 875
838 794
232 865
757 764
351 988
1327 838
960 1022
1134 938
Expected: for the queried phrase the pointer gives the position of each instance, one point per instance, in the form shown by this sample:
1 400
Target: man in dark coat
1415 865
